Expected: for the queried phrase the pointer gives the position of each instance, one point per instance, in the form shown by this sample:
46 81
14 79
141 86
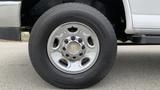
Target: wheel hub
73 48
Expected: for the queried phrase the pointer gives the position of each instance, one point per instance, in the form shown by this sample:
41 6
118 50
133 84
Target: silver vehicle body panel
10 13
142 16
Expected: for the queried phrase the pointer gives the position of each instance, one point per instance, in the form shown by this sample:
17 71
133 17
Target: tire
72 12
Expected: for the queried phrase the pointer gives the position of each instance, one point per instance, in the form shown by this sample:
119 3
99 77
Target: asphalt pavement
136 68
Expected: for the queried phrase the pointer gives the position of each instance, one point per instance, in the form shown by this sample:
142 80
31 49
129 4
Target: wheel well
116 14
112 9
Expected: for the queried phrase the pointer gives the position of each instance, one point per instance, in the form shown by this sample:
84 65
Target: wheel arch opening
112 9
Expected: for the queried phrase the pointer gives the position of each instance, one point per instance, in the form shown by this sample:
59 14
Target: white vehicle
73 43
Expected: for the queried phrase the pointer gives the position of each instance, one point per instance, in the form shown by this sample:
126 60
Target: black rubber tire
66 13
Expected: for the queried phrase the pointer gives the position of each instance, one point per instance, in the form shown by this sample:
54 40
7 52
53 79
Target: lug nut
74 57
67 55
64 48
73 38
83 47
80 40
66 41
80 54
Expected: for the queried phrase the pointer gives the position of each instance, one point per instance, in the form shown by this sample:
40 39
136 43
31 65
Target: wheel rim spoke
56 56
74 65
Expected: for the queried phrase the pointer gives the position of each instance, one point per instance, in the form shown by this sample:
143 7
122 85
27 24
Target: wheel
72 46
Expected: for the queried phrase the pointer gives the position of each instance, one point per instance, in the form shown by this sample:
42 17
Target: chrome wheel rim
73 47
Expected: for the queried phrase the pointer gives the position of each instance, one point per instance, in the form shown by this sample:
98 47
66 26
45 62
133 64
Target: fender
144 20
10 13
10 20
128 15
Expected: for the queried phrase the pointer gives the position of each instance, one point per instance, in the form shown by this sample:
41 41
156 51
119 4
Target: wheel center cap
73 48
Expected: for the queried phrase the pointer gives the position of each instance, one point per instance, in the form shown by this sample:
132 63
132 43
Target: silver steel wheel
73 47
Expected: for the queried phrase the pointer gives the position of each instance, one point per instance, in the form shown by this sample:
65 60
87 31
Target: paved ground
136 68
